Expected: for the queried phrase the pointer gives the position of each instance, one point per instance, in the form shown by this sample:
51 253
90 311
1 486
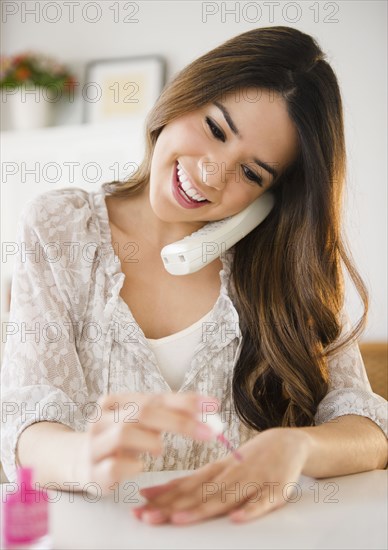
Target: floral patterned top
71 338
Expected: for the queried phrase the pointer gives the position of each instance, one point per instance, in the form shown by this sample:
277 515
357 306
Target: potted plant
30 83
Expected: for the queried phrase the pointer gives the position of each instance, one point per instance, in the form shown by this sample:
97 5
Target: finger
114 470
186 402
176 422
184 492
193 515
220 501
218 496
252 510
155 490
174 412
133 440
152 517
151 493
182 484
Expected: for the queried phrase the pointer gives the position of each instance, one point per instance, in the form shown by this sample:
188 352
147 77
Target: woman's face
217 148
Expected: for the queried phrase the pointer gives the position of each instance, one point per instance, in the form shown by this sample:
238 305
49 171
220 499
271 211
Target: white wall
352 33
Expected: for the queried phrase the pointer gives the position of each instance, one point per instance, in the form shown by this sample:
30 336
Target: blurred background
90 129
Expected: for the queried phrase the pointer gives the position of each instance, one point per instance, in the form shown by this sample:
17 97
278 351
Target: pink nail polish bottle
26 516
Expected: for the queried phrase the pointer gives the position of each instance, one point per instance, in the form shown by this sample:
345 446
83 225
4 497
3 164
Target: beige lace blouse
72 338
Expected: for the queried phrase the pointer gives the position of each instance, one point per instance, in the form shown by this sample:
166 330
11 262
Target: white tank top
175 352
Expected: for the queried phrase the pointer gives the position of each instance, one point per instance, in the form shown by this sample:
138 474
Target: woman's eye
218 134
214 129
252 176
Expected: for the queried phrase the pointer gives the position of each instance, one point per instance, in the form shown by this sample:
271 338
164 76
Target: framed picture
122 88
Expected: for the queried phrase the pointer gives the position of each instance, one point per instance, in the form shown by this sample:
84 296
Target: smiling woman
260 333
264 111
217 147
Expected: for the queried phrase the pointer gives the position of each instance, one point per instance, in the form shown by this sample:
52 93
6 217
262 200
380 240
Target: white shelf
81 155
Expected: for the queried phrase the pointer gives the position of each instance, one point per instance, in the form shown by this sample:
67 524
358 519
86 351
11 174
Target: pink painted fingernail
203 432
183 517
154 489
146 489
154 515
238 515
138 511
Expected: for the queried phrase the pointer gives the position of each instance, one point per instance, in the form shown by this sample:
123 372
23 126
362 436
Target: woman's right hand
131 423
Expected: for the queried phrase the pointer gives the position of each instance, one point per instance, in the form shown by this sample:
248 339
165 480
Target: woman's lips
179 196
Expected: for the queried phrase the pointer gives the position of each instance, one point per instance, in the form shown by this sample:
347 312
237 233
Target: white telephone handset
197 250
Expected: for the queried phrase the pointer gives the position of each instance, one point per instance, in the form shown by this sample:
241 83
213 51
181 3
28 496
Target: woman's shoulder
61 213
62 227
55 202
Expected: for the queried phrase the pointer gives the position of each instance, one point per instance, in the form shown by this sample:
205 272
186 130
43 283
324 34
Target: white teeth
182 175
186 186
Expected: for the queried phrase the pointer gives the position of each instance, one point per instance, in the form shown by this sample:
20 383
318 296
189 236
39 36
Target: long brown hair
287 275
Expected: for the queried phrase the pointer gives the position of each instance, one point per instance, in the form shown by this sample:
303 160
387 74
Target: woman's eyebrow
228 118
234 129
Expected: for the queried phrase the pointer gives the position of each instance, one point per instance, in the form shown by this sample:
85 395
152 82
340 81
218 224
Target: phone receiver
197 250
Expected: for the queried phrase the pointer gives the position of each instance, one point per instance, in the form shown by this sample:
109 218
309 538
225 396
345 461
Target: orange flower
22 73
70 83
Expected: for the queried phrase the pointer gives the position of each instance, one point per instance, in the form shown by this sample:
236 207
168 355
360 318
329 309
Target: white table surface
340 512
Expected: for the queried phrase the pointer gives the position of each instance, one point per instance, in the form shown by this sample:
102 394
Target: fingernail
137 512
183 517
203 432
238 515
156 489
146 489
154 515
139 509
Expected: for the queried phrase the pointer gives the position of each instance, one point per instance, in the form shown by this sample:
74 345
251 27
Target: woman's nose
214 173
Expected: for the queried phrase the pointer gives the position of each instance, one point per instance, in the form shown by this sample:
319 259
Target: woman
140 352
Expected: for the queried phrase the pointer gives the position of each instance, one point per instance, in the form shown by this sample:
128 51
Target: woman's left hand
244 490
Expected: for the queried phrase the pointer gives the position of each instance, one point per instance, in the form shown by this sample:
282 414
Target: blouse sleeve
349 389
41 375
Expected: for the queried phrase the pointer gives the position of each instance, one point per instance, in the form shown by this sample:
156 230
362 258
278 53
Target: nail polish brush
216 424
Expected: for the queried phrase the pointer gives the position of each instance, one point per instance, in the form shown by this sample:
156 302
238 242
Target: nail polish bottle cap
24 476
214 421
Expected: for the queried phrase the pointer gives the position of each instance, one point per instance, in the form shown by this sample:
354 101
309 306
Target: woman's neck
134 216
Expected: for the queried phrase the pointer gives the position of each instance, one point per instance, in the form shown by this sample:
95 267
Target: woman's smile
185 193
